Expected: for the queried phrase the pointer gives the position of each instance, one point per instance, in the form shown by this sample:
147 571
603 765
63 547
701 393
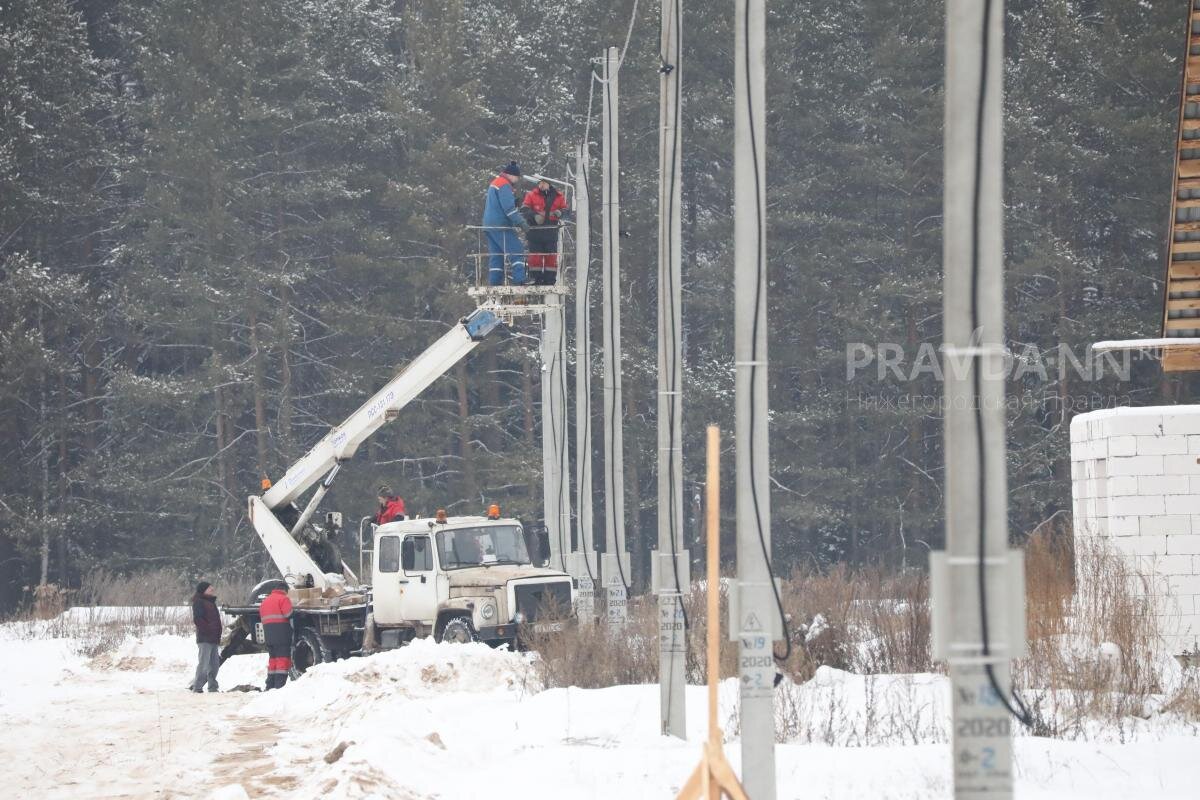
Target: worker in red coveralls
275 611
543 207
391 507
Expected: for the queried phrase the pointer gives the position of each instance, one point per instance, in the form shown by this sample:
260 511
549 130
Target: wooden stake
713 778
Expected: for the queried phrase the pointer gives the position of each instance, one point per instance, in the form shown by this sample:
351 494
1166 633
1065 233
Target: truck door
418 580
385 583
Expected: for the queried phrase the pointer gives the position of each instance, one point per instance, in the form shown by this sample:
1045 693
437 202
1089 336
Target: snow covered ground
465 721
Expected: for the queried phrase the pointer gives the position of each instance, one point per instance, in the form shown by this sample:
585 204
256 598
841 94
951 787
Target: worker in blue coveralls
501 220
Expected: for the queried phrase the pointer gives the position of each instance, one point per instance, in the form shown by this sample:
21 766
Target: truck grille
544 600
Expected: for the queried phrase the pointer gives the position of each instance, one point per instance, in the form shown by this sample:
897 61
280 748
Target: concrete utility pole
553 419
671 561
972 635
756 620
562 399
616 560
584 568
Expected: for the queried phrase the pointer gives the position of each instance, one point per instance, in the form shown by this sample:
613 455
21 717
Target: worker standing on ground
501 219
391 507
543 208
275 612
207 619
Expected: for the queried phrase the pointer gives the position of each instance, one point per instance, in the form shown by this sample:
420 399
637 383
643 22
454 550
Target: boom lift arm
324 460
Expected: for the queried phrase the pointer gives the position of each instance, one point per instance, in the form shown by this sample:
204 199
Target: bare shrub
49 600
591 655
1094 660
99 640
867 620
1092 637
1184 700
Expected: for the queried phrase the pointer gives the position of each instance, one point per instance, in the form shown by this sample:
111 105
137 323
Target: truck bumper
512 630
498 633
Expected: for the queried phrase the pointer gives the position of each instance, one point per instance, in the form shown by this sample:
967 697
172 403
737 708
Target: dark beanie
202 586
513 168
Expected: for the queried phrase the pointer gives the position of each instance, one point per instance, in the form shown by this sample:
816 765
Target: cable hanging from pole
556 364
671 353
610 311
755 365
583 488
1010 700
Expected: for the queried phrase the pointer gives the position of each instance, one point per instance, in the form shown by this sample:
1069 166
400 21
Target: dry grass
1094 657
108 607
1094 646
868 621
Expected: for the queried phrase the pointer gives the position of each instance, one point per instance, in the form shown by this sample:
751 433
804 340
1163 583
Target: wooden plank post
713 778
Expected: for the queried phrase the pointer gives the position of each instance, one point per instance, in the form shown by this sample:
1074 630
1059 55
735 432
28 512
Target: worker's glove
555 216
539 219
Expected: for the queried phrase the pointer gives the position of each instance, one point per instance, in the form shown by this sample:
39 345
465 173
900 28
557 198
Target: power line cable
584 487
554 360
671 353
628 35
610 311
760 269
1020 710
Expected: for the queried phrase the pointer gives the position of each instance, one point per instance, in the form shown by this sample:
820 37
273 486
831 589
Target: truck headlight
488 611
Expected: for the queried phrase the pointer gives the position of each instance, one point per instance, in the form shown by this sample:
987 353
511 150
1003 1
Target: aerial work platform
509 300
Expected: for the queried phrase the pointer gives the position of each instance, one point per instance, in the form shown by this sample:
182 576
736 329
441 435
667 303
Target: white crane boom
323 460
342 442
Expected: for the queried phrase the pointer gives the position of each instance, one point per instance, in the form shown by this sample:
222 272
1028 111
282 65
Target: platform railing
510 297
535 267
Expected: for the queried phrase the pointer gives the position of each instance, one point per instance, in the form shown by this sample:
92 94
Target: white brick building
1135 482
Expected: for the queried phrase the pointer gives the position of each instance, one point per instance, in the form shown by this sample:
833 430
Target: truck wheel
458 630
308 649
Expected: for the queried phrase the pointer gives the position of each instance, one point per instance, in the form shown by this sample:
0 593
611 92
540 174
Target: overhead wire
628 35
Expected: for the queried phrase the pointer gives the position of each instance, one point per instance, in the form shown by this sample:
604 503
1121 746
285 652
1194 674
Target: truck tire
308 649
458 630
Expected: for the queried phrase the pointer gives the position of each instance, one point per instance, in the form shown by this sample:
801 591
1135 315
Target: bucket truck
458 579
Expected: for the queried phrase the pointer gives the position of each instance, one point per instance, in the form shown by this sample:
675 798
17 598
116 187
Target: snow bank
845 709
32 671
467 721
420 669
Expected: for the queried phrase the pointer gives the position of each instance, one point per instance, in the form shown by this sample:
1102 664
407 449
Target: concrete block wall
1135 483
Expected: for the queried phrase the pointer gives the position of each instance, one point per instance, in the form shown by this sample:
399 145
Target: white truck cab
460 579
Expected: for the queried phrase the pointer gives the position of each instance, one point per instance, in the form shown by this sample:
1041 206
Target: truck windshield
484 546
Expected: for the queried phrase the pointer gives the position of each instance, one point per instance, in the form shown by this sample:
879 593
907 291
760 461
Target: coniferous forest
223 224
